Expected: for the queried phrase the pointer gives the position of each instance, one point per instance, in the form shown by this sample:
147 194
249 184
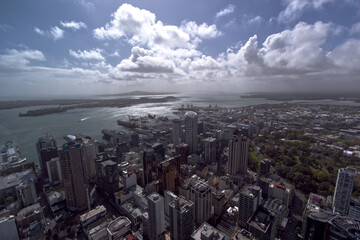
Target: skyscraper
210 150
249 200
149 163
156 216
46 148
200 195
169 175
343 190
238 155
176 131
181 218
265 166
74 175
191 131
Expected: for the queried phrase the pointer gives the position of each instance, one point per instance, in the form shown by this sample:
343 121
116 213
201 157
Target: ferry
10 156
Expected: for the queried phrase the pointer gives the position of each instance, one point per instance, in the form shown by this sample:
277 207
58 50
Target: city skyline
116 47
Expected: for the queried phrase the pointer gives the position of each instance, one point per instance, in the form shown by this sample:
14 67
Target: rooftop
14 179
92 213
208 232
118 224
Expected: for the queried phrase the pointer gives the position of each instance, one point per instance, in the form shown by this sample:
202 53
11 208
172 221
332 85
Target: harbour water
24 131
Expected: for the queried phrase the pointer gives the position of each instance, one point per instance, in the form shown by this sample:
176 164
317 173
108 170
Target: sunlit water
24 131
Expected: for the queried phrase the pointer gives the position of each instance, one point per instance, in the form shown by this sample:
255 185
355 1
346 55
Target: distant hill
136 93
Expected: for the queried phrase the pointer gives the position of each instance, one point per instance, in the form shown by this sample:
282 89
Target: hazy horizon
228 46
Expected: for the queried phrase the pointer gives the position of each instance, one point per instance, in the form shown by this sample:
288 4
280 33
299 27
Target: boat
10 155
108 133
127 124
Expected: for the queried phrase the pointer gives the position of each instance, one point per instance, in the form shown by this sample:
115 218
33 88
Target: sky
82 47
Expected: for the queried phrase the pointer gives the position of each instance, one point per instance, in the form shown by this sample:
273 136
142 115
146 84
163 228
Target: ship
10 156
108 133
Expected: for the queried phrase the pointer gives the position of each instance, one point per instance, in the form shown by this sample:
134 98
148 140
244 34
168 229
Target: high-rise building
159 151
354 210
249 200
8 228
90 149
156 216
54 170
169 175
238 155
343 190
265 165
218 202
149 165
181 218
200 194
183 150
210 150
46 148
191 131
176 131
168 198
26 192
109 179
74 174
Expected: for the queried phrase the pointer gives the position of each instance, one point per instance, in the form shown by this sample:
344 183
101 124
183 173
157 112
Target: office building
238 155
169 175
159 152
249 199
262 224
26 192
265 166
282 192
54 170
199 192
207 232
354 209
343 190
168 198
46 148
149 165
8 228
176 132
181 218
74 175
218 202
30 222
109 180
156 216
191 131
90 150
183 150
210 145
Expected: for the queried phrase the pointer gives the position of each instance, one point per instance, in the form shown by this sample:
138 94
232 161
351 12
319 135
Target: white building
54 170
343 190
156 216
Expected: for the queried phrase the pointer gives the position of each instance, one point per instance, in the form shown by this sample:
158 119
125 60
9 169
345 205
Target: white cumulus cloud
226 11
140 27
94 54
73 25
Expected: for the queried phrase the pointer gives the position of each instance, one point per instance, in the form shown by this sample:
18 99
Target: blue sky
63 47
